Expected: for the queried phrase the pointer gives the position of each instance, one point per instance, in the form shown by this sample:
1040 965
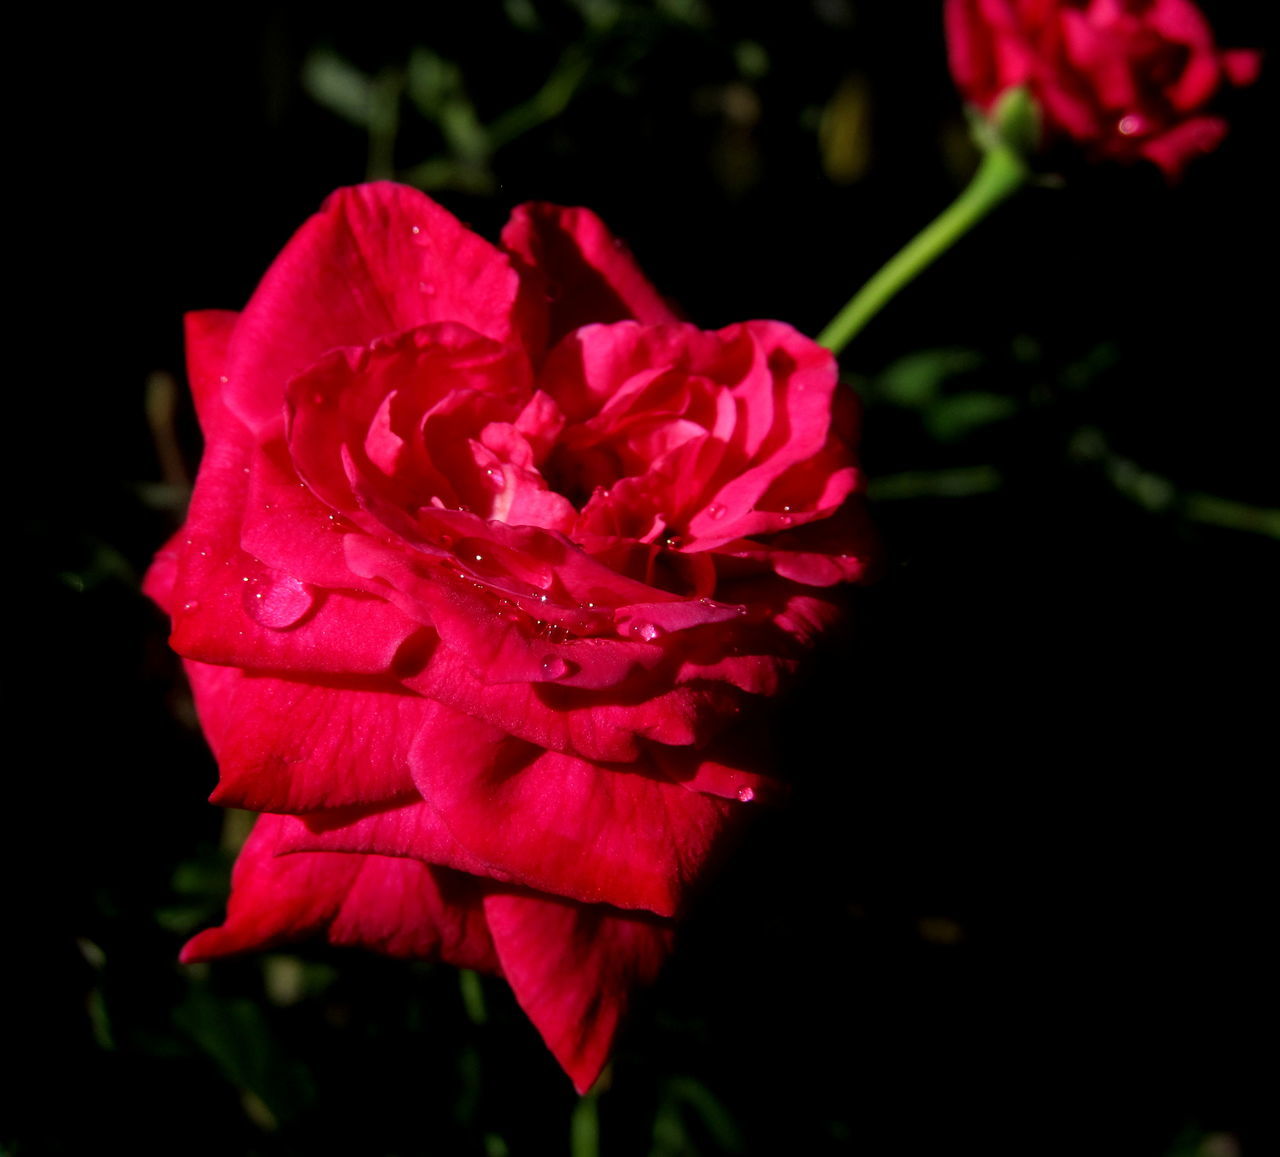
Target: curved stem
1001 174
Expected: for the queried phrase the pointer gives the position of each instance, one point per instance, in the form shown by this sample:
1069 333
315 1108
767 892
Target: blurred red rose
490 568
1127 79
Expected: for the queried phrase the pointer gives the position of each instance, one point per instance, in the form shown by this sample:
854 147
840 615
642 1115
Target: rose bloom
492 569
1126 79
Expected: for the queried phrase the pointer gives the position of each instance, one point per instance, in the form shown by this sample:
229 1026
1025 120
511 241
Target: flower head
491 572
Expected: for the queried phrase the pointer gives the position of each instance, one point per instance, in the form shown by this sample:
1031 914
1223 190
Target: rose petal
565 825
587 273
286 746
396 906
574 970
376 260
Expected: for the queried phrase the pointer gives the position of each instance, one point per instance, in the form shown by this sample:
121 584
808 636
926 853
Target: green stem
584 1127
1001 174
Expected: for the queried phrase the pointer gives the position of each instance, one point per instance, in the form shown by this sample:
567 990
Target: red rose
491 565
1126 79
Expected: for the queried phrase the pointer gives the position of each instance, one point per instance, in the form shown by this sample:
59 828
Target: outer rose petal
564 825
397 906
208 335
227 607
587 272
287 746
377 259
573 969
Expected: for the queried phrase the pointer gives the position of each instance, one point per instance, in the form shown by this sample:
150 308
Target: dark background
1018 903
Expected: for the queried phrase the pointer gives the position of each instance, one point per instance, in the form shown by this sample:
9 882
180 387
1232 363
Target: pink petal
574 969
396 906
412 831
1242 65
285 746
1174 149
380 431
208 336
230 609
574 828
375 260
588 273
595 725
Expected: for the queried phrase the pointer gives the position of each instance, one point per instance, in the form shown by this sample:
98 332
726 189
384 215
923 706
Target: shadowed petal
573 828
397 906
589 275
574 969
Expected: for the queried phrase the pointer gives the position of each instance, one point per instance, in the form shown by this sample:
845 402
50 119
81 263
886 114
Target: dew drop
716 511
746 794
553 667
494 476
647 631
673 542
416 230
193 605
277 602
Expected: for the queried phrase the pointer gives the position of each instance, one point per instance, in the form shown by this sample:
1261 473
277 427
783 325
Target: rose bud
1122 79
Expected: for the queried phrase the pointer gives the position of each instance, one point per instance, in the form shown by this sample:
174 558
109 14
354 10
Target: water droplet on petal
494 476
647 631
416 230
673 542
553 667
716 511
746 794
277 602
193 605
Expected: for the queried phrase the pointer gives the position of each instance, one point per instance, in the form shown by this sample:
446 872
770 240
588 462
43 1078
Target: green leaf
914 381
950 419
339 86
239 1038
